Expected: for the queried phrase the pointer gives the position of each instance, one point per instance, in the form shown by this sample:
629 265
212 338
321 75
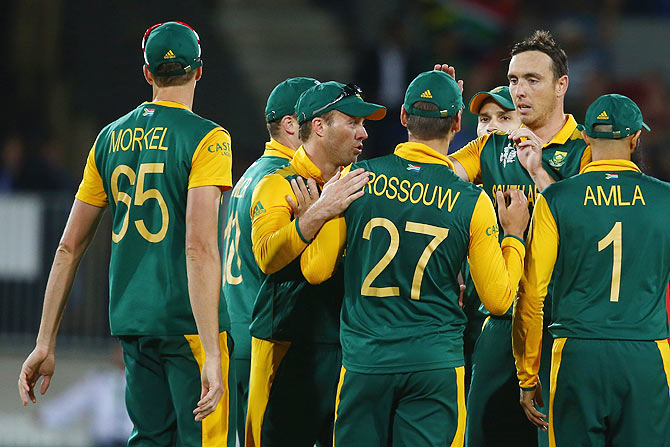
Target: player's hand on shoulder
340 191
515 216
40 363
306 195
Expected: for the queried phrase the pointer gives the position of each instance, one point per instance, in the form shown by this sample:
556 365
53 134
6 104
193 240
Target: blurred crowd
391 41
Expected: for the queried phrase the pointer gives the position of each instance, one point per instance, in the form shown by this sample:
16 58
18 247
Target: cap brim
645 126
478 100
363 109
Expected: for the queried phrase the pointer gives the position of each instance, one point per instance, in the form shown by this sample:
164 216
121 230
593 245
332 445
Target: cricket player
161 170
495 113
600 242
241 276
295 349
402 370
547 148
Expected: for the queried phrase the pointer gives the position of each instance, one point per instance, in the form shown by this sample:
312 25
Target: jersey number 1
614 238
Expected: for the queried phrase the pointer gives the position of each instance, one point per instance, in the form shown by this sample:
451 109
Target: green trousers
610 393
495 417
163 388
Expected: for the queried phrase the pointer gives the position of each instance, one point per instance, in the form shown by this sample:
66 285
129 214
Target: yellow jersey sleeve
528 313
319 260
469 156
586 157
91 190
495 272
212 161
275 238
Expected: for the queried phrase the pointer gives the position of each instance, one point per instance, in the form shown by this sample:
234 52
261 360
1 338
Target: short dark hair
542 41
306 127
171 81
273 128
428 128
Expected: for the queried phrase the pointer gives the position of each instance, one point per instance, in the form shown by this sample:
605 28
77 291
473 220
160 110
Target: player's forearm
527 323
319 260
311 222
541 178
203 267
59 285
78 234
276 243
498 292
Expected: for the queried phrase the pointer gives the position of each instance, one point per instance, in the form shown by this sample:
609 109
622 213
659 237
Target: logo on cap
603 116
427 94
169 55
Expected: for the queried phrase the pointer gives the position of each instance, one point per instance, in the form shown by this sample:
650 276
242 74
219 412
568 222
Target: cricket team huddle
369 303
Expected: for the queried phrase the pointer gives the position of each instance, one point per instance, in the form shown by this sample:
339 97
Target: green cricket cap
283 97
499 94
619 111
435 87
171 42
332 95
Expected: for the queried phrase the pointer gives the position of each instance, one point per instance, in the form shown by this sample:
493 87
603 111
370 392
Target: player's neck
319 157
182 94
440 145
610 152
548 130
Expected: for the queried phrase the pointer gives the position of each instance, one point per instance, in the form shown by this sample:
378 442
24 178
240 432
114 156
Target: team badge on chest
508 155
558 159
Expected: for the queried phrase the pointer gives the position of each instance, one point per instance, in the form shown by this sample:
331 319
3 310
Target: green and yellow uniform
242 279
142 165
295 350
402 327
493 410
603 236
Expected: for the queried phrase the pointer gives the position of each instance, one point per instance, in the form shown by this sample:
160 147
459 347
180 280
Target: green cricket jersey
287 307
145 162
491 160
406 239
242 279
604 236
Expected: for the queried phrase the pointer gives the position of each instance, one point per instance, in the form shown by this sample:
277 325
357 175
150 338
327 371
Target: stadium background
71 66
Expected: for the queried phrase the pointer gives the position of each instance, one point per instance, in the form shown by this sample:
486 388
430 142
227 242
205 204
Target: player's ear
562 86
290 124
147 75
198 73
586 138
403 116
456 127
318 126
635 141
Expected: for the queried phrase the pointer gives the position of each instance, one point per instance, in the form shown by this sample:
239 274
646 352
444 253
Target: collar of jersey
565 133
610 165
305 167
173 104
274 148
421 153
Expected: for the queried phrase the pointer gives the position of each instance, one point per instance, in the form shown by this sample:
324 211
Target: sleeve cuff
515 237
297 227
530 388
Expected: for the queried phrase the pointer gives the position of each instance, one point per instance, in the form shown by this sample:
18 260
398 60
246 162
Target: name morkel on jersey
613 197
403 190
126 139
